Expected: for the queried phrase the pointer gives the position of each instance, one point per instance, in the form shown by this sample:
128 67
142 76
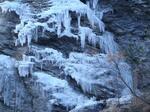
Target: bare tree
114 58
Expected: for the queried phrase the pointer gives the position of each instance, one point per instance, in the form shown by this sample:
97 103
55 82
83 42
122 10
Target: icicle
29 38
36 34
107 44
59 27
82 35
101 26
67 24
41 65
25 66
101 15
91 17
67 21
22 39
92 39
16 42
79 20
23 70
24 57
94 4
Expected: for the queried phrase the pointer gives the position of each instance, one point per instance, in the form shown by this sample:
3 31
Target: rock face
61 59
129 21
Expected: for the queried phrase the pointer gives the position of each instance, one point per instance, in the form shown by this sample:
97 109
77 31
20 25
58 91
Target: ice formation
25 66
54 84
108 44
59 18
81 67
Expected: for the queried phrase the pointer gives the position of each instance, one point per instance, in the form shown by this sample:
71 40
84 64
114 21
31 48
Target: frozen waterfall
95 74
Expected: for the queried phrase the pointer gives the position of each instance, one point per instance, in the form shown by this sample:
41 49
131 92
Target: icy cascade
95 3
12 91
59 19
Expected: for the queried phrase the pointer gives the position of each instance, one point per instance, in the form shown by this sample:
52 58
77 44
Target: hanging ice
94 3
107 43
86 33
25 67
59 17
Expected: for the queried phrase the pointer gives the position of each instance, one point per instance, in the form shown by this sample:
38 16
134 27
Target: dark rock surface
130 22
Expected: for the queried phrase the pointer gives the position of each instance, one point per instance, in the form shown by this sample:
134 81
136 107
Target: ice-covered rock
94 74
61 92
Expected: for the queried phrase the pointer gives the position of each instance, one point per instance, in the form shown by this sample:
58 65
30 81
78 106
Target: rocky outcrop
129 21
